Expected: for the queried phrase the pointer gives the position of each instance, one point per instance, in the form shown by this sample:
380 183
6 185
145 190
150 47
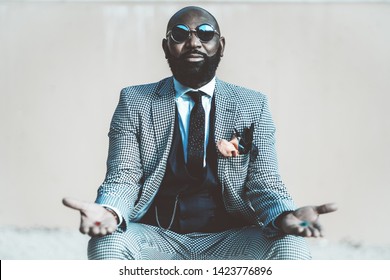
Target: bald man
192 170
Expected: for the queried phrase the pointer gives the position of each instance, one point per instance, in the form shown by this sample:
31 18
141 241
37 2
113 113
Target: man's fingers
95 231
234 141
110 230
84 229
315 232
326 208
99 231
103 231
226 148
74 203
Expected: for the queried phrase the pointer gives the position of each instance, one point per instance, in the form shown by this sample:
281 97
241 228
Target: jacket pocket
236 170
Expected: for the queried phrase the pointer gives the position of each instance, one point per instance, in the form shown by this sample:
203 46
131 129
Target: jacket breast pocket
236 169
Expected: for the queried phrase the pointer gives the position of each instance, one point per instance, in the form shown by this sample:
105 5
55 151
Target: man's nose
193 41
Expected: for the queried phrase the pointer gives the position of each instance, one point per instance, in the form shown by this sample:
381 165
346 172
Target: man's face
193 62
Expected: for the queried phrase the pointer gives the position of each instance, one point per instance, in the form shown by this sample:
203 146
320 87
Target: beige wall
325 68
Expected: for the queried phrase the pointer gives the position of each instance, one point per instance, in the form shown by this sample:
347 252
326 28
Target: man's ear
222 45
164 45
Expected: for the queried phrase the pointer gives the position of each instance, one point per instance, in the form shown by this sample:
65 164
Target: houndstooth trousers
146 242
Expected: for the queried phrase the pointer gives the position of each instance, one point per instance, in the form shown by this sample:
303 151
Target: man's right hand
95 219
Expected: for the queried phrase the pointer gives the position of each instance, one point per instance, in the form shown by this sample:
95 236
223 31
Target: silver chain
173 215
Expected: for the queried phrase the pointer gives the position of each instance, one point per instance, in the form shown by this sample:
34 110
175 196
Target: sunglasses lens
180 33
205 32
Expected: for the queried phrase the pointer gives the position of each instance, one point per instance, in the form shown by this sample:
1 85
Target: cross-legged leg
145 242
250 243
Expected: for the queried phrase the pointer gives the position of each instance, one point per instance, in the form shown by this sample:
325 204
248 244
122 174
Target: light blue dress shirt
184 106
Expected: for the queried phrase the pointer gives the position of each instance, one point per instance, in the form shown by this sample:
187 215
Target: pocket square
240 144
245 139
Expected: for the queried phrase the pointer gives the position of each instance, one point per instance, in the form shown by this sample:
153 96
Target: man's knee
289 247
118 245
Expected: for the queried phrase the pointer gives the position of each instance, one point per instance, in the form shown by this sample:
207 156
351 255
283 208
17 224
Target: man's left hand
304 221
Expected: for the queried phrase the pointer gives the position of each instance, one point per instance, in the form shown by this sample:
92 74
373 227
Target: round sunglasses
181 32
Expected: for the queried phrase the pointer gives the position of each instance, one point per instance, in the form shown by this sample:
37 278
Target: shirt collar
181 89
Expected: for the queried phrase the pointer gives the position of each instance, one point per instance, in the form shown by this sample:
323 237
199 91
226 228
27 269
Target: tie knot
196 96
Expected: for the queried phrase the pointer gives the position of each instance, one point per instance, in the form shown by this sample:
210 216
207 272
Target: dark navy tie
195 148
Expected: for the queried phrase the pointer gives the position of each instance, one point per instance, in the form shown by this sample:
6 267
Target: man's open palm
304 221
95 219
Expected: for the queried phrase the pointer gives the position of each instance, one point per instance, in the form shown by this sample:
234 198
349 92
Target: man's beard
193 74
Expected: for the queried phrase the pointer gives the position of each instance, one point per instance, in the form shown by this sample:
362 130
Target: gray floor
56 244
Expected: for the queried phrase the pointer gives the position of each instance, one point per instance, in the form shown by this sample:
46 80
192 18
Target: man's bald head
189 12
193 61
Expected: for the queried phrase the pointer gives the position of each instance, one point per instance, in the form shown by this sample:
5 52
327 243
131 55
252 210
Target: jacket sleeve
265 189
122 183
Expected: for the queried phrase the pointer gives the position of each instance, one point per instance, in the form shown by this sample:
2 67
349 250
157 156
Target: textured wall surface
324 66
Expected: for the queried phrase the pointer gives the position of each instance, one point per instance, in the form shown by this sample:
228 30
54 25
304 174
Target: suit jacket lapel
225 115
225 111
163 114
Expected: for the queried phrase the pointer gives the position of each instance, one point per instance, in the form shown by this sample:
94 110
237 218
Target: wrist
280 218
113 213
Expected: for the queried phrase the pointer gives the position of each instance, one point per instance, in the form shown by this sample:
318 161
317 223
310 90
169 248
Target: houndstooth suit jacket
141 134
